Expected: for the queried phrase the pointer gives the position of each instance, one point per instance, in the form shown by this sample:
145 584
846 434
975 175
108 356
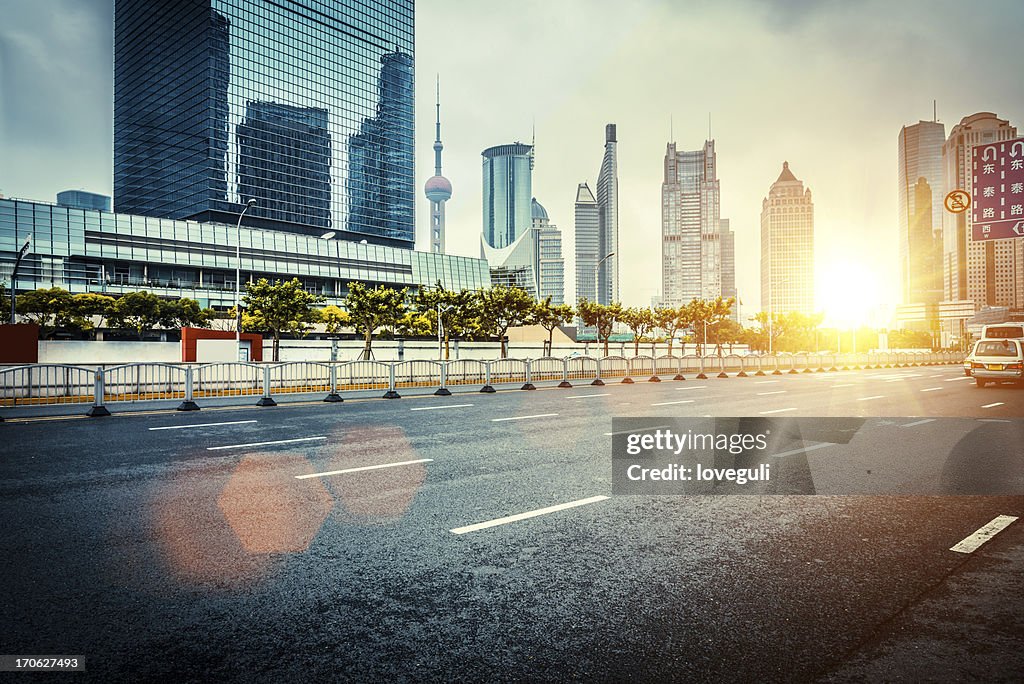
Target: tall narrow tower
438 189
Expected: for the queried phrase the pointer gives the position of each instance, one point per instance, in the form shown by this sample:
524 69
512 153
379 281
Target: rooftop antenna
533 139
935 111
671 132
709 125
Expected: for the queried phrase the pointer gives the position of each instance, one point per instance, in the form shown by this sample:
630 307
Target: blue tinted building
306 106
80 199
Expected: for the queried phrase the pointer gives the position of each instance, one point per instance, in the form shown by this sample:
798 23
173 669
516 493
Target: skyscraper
587 223
507 241
728 243
549 249
214 100
787 246
438 188
989 272
608 220
691 256
920 212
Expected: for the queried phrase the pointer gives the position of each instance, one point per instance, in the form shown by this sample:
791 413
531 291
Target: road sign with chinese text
998 190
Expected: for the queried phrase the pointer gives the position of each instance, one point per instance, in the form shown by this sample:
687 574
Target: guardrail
55 384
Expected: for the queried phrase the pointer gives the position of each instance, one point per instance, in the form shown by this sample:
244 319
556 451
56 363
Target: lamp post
440 327
597 288
238 280
14 274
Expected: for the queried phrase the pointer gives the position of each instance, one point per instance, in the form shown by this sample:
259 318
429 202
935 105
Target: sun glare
850 294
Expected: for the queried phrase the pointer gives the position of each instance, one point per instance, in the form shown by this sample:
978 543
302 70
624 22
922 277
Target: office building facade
608 220
787 247
508 242
586 219
80 199
691 255
727 240
920 212
549 250
307 108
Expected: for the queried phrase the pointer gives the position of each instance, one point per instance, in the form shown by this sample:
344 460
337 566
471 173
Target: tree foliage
550 316
334 319
640 320
370 309
279 307
137 311
503 307
599 316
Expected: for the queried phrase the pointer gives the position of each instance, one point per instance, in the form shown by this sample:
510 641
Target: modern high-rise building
549 250
691 255
728 242
587 224
920 212
787 246
80 199
306 108
507 242
988 273
608 220
438 188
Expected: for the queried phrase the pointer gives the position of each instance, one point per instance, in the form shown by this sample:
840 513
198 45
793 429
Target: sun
849 294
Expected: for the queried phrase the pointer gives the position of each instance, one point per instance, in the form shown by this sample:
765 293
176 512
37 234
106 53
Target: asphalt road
261 544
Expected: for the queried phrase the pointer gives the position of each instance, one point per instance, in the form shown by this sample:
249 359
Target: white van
997 361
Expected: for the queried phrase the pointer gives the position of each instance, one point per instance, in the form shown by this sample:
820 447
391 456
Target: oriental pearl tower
438 189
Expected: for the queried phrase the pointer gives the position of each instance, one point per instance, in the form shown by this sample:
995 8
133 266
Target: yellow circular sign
958 201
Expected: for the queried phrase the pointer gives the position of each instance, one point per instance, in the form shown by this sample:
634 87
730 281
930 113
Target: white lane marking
765 413
436 408
587 396
962 377
801 450
259 444
994 420
199 425
668 403
764 394
525 516
361 469
630 432
679 389
848 384
537 415
765 382
998 403
918 422
938 375
877 396
931 389
900 379
984 533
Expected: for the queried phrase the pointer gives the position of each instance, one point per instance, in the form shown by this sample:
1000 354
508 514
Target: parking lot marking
765 413
630 432
763 394
983 534
998 403
679 389
525 516
259 444
587 396
918 422
361 469
931 389
538 415
435 408
199 425
668 403
877 396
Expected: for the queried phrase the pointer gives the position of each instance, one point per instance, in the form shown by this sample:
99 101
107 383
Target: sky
823 85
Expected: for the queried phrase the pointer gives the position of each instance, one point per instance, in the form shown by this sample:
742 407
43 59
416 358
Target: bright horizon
824 86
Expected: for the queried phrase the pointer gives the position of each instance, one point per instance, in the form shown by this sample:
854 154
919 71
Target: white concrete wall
88 352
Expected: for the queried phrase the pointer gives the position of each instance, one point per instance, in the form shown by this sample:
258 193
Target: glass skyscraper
507 193
305 106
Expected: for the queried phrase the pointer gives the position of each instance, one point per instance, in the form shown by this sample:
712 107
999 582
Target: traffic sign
997 190
957 201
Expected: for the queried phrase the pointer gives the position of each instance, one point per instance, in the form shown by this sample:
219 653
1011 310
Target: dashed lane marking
525 516
993 405
259 444
971 543
668 403
536 415
199 425
765 413
362 468
918 422
436 408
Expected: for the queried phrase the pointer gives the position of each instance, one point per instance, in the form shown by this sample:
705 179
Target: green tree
718 312
550 316
600 316
671 320
460 312
334 319
5 302
184 312
502 308
44 306
370 309
279 307
138 311
640 321
89 305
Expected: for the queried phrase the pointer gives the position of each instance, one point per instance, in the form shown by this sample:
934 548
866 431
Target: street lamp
238 279
14 274
597 270
440 326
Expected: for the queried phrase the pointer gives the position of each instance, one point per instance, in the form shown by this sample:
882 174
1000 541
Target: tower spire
437 141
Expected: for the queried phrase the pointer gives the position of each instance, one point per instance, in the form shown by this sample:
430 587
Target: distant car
970 359
997 361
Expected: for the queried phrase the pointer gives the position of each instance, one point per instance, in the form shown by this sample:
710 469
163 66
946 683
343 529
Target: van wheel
980 382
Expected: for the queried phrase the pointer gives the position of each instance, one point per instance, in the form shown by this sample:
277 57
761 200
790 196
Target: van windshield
993 348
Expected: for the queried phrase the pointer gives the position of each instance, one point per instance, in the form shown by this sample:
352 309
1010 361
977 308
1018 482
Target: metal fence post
266 400
529 382
597 380
654 369
565 374
391 393
487 389
98 410
702 375
443 390
332 394
188 404
679 368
